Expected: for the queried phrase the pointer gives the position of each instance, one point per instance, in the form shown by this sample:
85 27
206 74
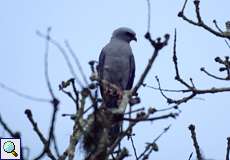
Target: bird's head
125 34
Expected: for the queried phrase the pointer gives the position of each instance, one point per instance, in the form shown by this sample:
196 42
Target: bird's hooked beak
135 38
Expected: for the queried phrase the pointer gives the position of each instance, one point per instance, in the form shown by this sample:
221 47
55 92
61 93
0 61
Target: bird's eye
129 34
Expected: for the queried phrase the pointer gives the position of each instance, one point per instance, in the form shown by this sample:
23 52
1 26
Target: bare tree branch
152 146
148 16
134 148
20 94
158 45
8 130
77 62
228 148
40 135
62 50
191 87
76 133
200 22
190 156
195 143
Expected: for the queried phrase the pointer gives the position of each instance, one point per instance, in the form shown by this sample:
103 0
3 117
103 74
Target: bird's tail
116 127
102 130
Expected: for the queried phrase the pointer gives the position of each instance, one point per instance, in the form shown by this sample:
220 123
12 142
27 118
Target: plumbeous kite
116 64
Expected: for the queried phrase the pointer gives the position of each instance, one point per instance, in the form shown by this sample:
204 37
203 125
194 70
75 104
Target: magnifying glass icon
9 147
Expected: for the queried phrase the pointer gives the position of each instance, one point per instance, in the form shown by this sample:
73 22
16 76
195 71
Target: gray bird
116 64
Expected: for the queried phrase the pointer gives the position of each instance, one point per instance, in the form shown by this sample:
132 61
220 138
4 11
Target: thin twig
227 43
76 133
20 94
62 50
142 119
53 120
183 8
150 146
47 64
122 154
200 23
40 155
228 148
191 87
56 146
8 130
212 75
68 94
40 135
177 77
158 45
190 156
77 62
195 143
162 93
134 148
217 27
197 7
149 16
76 92
136 110
166 90
12 134
55 101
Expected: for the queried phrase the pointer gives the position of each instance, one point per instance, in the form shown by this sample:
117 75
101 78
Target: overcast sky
88 25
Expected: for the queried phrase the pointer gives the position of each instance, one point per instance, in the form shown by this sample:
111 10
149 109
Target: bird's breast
116 62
